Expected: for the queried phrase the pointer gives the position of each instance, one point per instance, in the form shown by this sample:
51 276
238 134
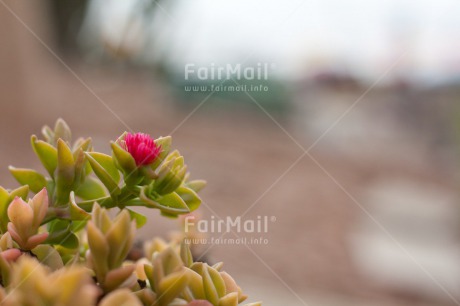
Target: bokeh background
354 148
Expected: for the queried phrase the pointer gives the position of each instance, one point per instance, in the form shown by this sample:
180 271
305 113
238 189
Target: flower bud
171 174
142 148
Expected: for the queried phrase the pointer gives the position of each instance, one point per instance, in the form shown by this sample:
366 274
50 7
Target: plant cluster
69 243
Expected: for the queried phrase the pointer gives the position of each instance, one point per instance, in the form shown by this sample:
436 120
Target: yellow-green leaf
124 159
173 200
189 196
139 218
172 285
30 177
46 153
107 163
103 175
218 281
230 299
90 189
210 290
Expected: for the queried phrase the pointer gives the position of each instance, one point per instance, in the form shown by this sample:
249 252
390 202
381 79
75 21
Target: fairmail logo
229 224
259 71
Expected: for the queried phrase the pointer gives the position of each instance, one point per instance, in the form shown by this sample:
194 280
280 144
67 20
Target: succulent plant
69 243
109 243
25 220
33 284
175 279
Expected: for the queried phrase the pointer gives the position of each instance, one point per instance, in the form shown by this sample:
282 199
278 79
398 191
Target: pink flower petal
142 148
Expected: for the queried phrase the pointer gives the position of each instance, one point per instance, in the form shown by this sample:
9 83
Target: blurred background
351 142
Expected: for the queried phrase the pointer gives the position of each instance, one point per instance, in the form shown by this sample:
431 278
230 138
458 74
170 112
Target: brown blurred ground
241 154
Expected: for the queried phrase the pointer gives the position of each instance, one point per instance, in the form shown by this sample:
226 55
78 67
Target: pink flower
142 148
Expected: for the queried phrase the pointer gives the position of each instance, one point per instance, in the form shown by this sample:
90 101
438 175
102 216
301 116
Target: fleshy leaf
90 189
76 213
63 237
190 197
46 153
138 217
218 281
30 177
65 172
173 200
172 285
165 144
21 192
48 256
230 299
103 175
210 290
4 202
186 254
107 163
124 159
121 297
117 277
196 185
62 130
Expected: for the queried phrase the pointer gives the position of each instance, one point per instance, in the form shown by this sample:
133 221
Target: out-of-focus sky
300 36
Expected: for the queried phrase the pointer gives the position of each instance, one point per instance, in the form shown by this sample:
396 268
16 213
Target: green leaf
80 163
165 143
21 192
65 161
230 299
4 203
4 196
99 249
46 153
91 189
168 215
186 254
172 285
107 163
77 226
57 225
189 196
48 256
63 237
83 144
218 281
76 213
209 289
117 239
65 172
117 277
5 271
173 200
103 175
48 133
170 204
148 269
196 284
62 130
196 185
139 218
30 177
124 158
